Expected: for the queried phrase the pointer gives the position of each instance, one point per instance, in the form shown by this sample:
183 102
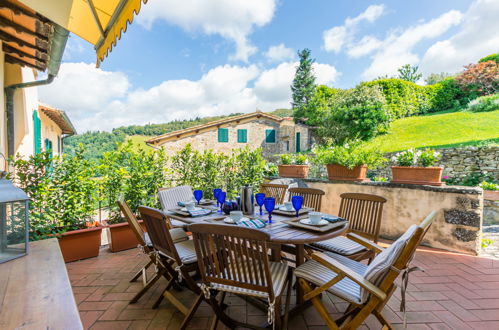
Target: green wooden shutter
242 135
37 132
223 135
270 135
298 142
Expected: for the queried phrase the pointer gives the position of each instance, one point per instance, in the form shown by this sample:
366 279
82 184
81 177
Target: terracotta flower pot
340 172
417 175
80 244
293 171
491 195
121 237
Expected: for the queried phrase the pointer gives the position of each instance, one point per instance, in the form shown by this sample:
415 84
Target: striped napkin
252 223
200 212
185 202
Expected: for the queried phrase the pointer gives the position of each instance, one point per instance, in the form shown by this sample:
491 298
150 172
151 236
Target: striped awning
100 22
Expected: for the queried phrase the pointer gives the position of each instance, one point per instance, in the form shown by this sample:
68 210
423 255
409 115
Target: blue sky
181 59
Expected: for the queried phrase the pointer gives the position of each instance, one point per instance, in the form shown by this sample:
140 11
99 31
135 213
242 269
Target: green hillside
441 130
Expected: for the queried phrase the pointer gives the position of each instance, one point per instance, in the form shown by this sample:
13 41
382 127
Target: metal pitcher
247 200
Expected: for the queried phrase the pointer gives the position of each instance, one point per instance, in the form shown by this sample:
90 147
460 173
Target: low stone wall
457 226
459 163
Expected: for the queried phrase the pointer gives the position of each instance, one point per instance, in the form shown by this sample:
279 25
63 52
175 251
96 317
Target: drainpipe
59 39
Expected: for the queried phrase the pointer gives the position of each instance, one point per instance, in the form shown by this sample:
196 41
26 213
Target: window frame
242 138
270 130
223 137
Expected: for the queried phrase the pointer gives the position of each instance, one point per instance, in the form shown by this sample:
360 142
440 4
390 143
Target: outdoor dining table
280 234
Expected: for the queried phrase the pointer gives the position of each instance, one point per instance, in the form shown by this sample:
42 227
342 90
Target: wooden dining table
282 235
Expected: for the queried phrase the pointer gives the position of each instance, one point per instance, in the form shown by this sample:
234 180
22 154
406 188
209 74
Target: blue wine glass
221 199
198 194
215 193
260 197
297 202
269 203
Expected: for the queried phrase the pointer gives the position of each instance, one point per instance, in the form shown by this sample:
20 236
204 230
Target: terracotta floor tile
111 325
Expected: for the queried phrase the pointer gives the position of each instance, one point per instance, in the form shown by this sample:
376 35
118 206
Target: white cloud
100 100
365 46
232 19
279 53
397 49
478 36
338 36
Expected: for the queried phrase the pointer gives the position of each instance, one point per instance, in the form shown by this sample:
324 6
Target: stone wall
456 228
458 163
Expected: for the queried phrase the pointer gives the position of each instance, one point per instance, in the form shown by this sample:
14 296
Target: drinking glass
198 195
297 203
221 199
260 197
269 203
215 193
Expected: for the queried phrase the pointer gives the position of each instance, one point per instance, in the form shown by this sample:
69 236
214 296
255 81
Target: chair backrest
158 226
387 265
132 222
169 197
363 212
311 197
274 190
234 256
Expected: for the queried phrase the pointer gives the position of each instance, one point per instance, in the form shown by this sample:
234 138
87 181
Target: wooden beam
21 29
9 49
14 60
11 38
21 11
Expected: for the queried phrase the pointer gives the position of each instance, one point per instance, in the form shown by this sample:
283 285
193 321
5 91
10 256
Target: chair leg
288 300
146 287
160 298
384 322
220 314
216 317
192 311
141 272
318 305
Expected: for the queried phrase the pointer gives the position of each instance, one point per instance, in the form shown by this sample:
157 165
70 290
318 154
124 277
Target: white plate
195 209
284 208
307 222
229 220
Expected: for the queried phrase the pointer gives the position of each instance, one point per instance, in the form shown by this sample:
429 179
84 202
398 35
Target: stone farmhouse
275 135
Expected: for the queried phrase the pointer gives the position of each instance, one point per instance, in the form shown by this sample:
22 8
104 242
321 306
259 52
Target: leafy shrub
349 155
301 159
484 103
435 78
424 158
286 159
491 57
404 98
359 113
448 95
489 186
320 104
480 79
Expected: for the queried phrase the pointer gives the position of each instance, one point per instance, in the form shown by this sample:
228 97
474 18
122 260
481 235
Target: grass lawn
441 130
139 141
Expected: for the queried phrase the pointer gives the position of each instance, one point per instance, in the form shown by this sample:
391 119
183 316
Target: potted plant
293 167
490 190
80 243
416 167
120 236
348 162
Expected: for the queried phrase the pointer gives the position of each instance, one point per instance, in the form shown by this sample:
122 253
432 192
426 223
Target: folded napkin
252 223
200 212
332 218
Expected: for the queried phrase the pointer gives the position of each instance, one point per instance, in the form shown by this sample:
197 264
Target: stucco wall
255 138
50 131
3 133
456 228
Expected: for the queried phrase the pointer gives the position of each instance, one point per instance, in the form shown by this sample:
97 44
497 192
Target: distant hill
96 143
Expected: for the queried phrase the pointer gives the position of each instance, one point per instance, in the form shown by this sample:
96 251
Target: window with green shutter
223 135
242 135
270 136
37 132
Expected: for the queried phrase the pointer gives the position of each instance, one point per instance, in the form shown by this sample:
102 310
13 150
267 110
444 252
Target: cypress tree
303 87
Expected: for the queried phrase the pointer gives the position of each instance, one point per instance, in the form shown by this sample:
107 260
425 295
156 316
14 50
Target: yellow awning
100 22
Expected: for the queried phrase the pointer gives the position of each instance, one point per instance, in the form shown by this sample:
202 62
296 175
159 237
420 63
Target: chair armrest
365 242
339 268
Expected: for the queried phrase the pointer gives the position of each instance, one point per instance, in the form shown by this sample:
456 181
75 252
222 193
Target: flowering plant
424 158
350 155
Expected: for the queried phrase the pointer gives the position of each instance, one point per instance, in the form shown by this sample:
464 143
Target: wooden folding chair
182 255
366 288
311 197
146 248
364 213
274 190
235 260
169 198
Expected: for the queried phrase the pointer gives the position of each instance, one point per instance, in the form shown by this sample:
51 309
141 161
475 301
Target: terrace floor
455 292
